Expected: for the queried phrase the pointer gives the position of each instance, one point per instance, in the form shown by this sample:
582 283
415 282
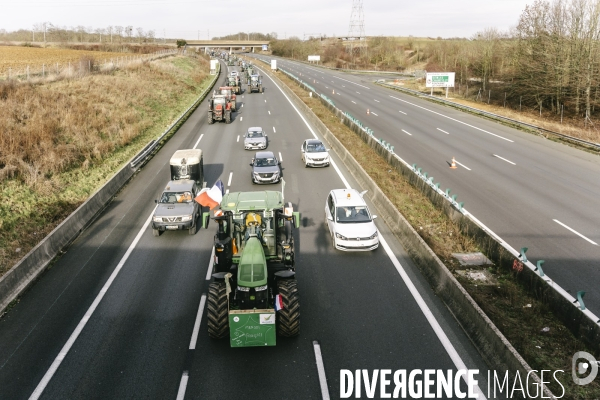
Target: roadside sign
439 79
265 47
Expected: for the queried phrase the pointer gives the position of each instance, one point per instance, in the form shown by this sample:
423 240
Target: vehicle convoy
255 84
188 164
176 208
253 295
219 109
235 83
349 221
229 94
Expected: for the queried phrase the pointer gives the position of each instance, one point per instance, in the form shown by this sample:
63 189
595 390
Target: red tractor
229 94
219 109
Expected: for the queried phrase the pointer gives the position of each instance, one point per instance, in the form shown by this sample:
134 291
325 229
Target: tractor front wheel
218 318
288 318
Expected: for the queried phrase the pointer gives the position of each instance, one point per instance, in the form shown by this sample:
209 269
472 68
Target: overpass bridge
231 44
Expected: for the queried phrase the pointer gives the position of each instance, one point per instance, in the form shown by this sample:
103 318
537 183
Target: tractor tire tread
217 307
288 319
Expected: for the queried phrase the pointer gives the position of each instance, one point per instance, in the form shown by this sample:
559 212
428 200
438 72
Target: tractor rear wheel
227 118
218 318
288 318
210 119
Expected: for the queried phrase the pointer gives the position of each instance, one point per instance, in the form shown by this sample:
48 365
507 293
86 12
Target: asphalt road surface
121 314
530 191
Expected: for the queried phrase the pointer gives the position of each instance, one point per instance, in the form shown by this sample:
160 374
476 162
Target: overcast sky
189 19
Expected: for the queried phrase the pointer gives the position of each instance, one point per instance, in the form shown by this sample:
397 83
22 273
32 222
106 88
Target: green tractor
253 296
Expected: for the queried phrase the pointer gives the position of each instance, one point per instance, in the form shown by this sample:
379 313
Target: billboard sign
314 58
439 79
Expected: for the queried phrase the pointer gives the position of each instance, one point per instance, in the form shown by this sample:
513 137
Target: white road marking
402 112
377 100
280 158
575 232
453 119
269 112
326 87
242 105
321 371
211 263
374 114
410 134
238 139
441 130
343 86
338 93
358 92
65 350
230 176
274 131
462 165
227 191
198 142
183 385
504 159
194 339
454 356
345 80
265 100
241 118
353 101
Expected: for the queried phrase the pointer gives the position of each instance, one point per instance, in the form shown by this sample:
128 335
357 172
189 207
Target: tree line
48 32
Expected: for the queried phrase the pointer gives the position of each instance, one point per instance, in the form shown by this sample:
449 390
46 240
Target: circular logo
236 319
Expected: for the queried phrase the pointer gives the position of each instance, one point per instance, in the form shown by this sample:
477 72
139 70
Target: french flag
212 197
278 303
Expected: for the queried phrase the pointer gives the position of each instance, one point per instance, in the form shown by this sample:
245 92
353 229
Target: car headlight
243 289
186 218
255 173
261 288
337 235
373 236
157 219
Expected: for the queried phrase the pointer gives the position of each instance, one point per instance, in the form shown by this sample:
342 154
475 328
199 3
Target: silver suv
176 208
255 139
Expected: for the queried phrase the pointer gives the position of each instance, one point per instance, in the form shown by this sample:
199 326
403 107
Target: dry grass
61 141
505 302
18 58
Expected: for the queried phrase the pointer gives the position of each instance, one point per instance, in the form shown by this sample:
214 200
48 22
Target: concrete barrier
495 349
24 272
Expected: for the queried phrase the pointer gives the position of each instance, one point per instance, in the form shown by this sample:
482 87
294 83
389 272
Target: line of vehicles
253 296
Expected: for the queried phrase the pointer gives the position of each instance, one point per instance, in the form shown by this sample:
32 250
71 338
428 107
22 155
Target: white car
314 153
350 222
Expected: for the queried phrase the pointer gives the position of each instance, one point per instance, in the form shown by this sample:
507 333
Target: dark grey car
176 208
265 168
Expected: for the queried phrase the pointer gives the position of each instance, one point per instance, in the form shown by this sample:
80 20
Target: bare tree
140 34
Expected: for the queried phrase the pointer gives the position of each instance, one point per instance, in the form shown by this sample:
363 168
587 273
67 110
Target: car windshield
255 134
254 78
315 148
265 162
352 214
176 197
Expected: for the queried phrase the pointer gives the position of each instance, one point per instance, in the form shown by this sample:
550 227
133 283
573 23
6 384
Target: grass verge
540 338
67 138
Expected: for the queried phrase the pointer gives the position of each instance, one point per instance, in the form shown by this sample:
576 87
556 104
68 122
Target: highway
530 191
122 313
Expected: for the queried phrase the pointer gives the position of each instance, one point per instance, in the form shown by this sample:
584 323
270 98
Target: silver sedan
255 139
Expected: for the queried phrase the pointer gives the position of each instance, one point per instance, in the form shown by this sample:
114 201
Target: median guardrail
571 311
